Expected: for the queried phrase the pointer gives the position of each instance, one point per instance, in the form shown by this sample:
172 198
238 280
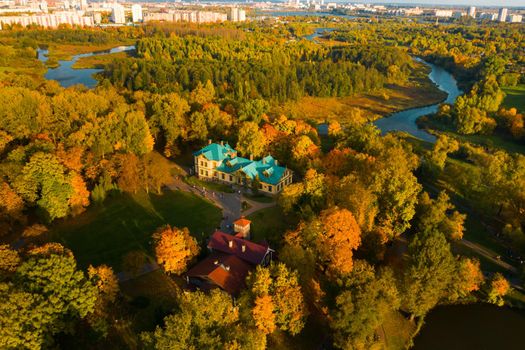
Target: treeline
258 67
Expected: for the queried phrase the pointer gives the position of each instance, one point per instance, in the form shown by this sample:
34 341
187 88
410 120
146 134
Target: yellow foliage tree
499 287
174 248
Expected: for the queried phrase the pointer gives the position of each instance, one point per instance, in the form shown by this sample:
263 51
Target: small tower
241 227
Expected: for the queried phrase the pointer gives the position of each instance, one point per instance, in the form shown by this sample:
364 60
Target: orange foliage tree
174 248
340 235
499 287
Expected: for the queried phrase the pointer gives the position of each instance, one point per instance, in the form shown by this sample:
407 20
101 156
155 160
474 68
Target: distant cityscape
53 13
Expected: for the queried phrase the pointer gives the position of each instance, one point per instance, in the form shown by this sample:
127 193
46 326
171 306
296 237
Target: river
406 120
67 76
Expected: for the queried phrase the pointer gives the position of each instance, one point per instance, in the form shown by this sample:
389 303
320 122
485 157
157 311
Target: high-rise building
136 13
515 18
472 11
118 15
237 15
502 16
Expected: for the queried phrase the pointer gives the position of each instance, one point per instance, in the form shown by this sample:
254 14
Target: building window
222 176
202 163
231 178
269 188
206 164
202 172
214 174
206 172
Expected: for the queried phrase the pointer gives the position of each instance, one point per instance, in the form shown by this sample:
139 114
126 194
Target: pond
67 76
475 326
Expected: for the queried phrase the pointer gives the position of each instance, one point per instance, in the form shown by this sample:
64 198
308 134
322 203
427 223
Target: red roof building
231 260
253 253
220 270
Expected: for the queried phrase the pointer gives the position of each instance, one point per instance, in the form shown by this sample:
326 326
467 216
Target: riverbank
362 108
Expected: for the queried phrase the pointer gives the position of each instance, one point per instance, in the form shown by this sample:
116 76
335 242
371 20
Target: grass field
105 233
99 61
515 97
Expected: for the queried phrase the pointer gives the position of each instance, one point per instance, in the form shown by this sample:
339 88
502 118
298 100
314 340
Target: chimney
276 162
264 161
243 248
251 156
222 143
230 244
209 141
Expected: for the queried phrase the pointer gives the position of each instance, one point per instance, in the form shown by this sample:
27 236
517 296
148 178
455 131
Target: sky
503 3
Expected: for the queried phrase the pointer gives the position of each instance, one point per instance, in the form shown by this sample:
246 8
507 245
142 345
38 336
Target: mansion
219 162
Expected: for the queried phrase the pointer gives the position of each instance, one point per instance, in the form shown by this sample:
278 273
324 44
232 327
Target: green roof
216 152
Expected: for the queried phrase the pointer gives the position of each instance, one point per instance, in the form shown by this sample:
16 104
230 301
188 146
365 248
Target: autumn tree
204 321
251 140
468 278
9 260
366 298
443 146
340 235
46 287
438 214
498 288
276 299
174 248
107 285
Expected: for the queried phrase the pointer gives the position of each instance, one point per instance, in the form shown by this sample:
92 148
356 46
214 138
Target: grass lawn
515 97
213 186
270 224
261 198
105 233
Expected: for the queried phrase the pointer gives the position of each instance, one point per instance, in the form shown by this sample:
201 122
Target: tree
174 248
79 199
340 235
263 314
202 94
251 140
9 260
107 285
253 110
467 279
43 181
204 321
436 214
443 146
430 269
275 298
155 172
290 196
498 288
45 296
366 298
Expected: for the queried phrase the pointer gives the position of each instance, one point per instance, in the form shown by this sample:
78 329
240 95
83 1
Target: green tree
43 181
203 321
429 272
366 298
251 140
